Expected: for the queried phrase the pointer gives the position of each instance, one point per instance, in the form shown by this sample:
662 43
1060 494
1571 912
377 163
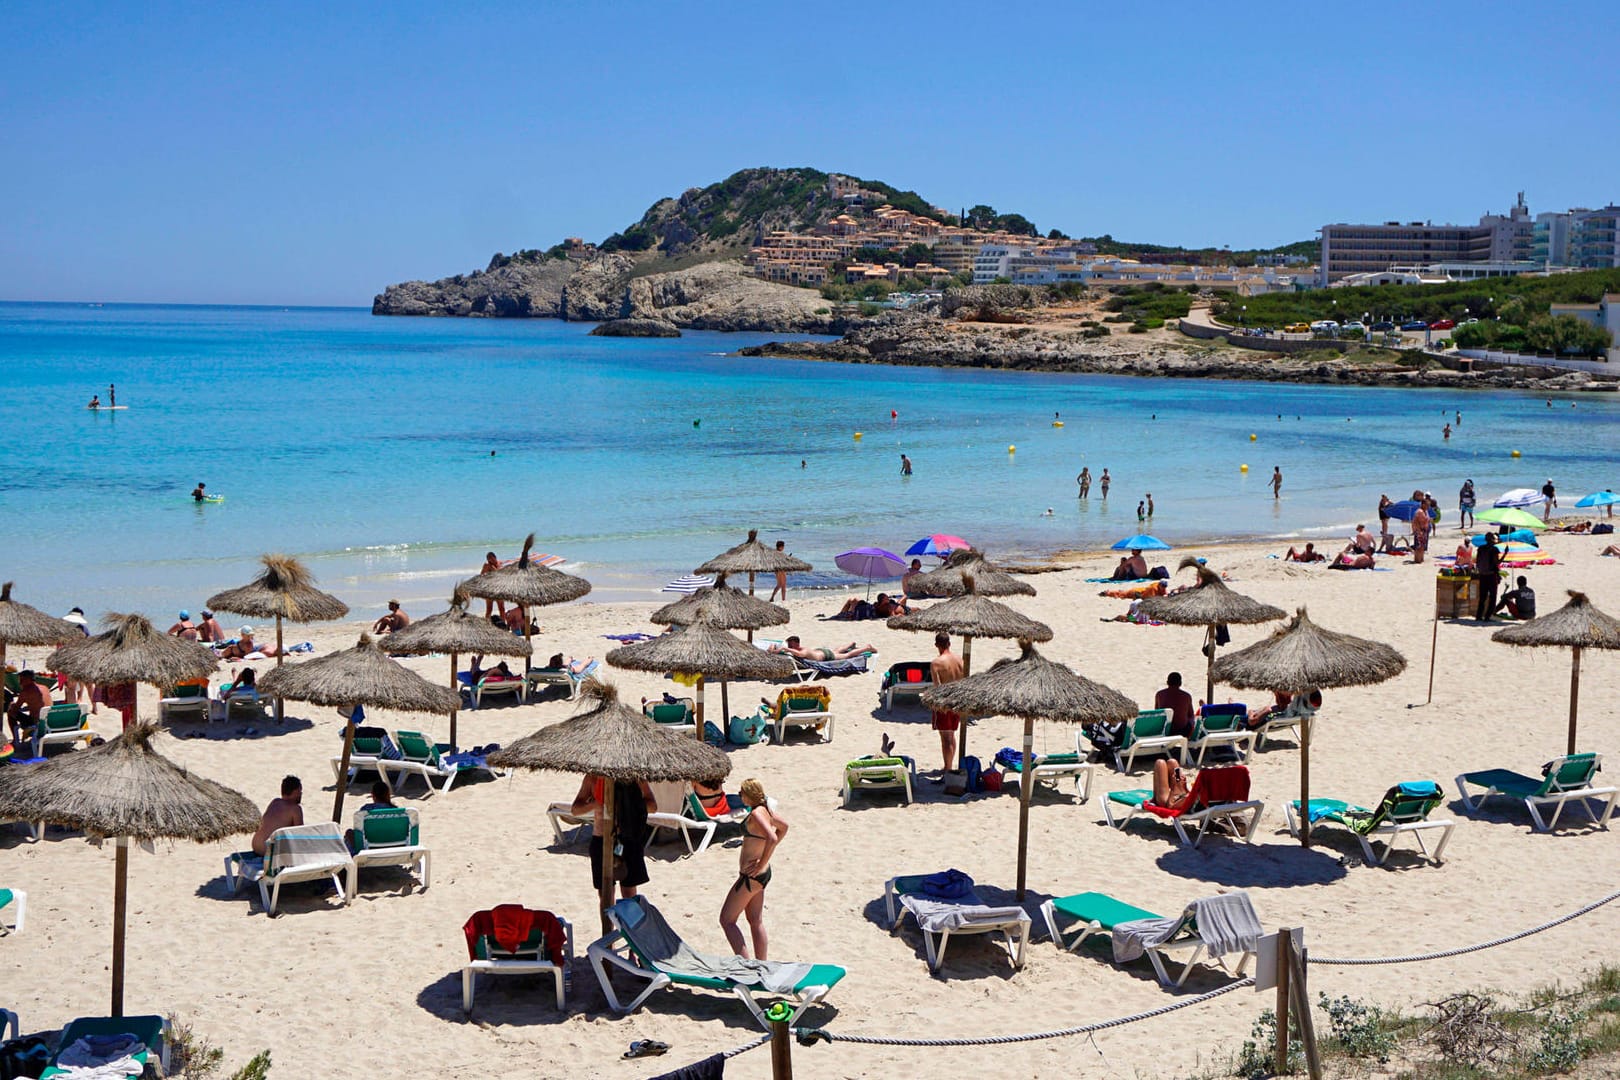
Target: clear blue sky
311 154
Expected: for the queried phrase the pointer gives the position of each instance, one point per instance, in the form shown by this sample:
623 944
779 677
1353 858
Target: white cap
245 630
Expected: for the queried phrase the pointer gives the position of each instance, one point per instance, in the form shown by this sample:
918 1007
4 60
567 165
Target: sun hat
75 616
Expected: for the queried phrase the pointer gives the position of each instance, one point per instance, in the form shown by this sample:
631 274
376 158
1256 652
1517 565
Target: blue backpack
975 775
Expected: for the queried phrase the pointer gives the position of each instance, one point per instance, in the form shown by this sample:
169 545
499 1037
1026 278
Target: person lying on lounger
798 652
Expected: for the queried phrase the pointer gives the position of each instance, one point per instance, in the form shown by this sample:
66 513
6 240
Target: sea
391 453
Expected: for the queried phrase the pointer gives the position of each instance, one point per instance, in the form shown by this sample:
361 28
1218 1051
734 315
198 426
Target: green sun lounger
151 1030
19 914
1404 810
1093 913
1567 780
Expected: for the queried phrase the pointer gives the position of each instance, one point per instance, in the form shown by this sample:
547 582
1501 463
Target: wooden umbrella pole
120 909
604 894
280 708
1209 670
1305 782
698 713
750 583
343 770
454 690
1574 694
725 706
962 725
1434 645
528 661
1026 786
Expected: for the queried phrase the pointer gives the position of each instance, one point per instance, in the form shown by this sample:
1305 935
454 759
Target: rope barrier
1447 953
811 1034
745 1047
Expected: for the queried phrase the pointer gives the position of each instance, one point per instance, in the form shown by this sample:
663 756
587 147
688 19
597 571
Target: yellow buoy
1515 453
1012 449
1243 468
858 434
1253 436
1057 423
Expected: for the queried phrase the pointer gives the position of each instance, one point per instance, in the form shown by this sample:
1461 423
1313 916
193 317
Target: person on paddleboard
199 492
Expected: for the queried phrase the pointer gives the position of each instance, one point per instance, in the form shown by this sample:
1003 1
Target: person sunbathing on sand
1347 561
245 646
1612 549
848 652
1309 554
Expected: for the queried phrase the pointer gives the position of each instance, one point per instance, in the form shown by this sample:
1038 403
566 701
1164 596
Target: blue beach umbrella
1523 536
1141 542
1600 498
1405 510
869 563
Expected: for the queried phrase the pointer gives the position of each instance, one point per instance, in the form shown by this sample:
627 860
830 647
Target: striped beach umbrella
688 583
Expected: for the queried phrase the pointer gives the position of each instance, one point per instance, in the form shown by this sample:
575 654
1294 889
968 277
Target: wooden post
1302 1012
280 706
343 770
1285 942
1574 694
781 1041
1434 644
725 708
605 893
1209 676
1026 787
120 909
698 713
1305 781
456 690
528 661
962 725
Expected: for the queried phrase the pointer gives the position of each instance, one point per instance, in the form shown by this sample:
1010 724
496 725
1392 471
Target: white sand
376 986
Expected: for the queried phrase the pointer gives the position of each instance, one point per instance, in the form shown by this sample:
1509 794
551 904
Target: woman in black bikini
762 832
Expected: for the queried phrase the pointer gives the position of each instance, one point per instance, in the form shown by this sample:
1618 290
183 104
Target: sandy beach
377 985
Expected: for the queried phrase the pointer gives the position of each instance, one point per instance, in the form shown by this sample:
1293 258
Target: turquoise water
364 445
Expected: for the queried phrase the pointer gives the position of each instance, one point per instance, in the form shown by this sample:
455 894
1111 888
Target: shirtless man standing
282 812
1276 481
946 668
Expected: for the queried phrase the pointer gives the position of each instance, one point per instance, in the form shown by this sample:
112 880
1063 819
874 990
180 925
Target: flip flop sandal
646 1048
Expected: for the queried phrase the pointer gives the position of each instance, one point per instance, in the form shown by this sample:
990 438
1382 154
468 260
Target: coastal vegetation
1146 307
1516 300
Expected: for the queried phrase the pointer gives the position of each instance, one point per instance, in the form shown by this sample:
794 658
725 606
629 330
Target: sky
313 153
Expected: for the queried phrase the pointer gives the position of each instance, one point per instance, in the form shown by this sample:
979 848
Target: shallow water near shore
391 453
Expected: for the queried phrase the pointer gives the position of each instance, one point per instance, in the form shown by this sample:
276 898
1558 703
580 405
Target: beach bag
974 775
712 734
1602 529
27 1056
1160 573
747 730
956 782
992 782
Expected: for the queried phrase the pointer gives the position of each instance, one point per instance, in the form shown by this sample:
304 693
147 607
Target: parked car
1325 325
1354 326
1469 322
1383 325
1443 324
1297 328
1414 324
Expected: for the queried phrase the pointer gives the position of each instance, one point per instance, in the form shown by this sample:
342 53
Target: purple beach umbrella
869 563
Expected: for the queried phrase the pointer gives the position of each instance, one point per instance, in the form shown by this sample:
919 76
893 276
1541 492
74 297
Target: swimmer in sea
95 401
199 493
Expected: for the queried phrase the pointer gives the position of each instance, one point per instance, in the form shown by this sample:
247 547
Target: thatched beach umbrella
24 625
1033 688
363 675
752 557
1298 658
286 590
949 579
723 606
1577 625
617 743
704 650
454 631
132 650
125 790
526 584
1208 604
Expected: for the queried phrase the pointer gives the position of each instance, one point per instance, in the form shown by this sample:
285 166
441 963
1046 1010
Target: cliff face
710 296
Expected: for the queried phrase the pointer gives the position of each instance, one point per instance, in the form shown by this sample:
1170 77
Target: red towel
511 925
1211 787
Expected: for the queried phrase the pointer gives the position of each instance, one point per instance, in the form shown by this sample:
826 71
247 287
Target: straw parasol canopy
1577 625
454 631
752 557
284 591
1301 657
703 649
948 579
364 676
618 744
1030 687
24 625
1210 604
125 789
723 606
526 584
972 615
132 650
